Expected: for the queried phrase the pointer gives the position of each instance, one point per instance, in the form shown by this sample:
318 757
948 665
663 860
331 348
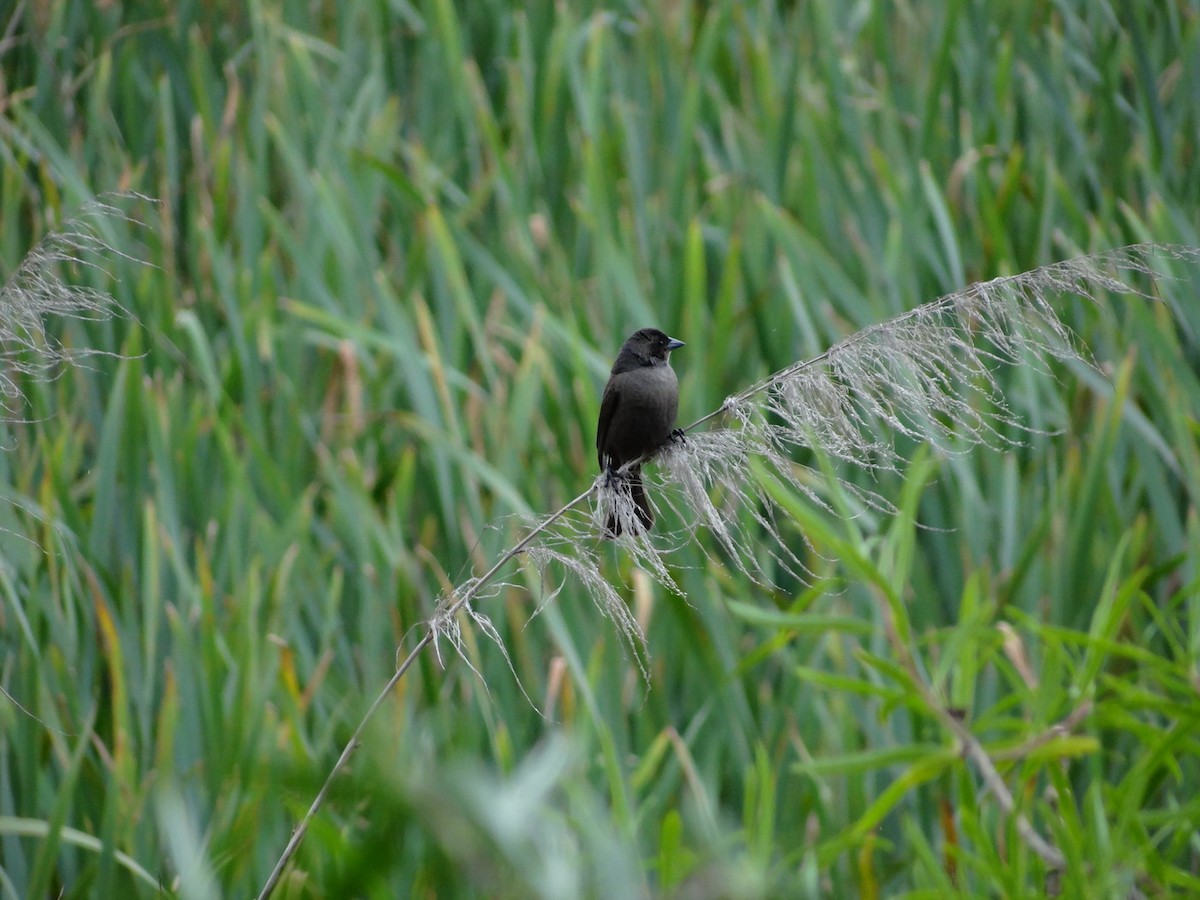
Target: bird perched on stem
637 416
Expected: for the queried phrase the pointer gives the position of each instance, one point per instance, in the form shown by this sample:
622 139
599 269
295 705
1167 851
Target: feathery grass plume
41 286
573 550
928 376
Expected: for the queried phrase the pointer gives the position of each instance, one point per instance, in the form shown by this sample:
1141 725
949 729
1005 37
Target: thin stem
355 739
302 828
973 749
347 753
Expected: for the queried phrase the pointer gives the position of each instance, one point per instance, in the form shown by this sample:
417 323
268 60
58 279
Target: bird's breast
645 414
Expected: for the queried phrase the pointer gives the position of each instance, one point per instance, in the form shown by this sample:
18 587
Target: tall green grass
396 249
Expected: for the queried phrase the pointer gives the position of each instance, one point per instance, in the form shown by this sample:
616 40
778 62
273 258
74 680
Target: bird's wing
608 409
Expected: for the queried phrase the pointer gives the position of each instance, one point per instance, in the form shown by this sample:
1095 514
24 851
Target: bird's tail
643 514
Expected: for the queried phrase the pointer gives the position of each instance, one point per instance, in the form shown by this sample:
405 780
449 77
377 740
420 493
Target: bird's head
649 346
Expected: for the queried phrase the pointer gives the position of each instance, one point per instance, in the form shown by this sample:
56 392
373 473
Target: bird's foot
678 436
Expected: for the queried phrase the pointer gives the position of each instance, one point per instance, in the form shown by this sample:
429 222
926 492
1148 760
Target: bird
637 416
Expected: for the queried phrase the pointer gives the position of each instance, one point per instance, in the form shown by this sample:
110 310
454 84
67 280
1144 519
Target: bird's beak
673 344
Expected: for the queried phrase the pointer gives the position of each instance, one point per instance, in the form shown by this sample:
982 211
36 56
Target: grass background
396 249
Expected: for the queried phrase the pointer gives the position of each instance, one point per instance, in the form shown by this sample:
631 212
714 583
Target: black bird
637 414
